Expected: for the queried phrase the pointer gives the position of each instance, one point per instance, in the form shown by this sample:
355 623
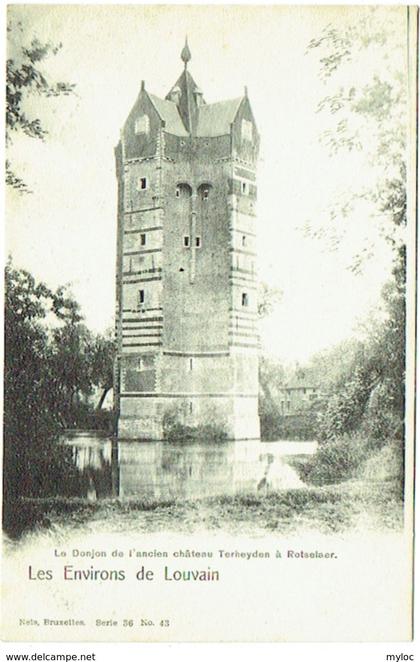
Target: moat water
162 470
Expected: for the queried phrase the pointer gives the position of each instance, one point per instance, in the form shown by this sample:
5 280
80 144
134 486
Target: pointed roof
215 119
187 104
187 113
168 112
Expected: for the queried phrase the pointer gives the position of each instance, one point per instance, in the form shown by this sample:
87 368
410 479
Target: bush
174 429
84 416
386 464
184 433
33 470
298 426
336 460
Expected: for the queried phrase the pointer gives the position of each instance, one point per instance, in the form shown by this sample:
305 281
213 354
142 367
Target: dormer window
175 94
142 183
142 125
246 130
205 194
198 95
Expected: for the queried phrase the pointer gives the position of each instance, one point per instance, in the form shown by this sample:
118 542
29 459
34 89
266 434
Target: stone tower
186 274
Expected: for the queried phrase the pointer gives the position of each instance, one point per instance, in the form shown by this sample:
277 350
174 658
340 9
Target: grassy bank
328 509
347 485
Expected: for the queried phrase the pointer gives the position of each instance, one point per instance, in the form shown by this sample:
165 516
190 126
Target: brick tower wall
186 308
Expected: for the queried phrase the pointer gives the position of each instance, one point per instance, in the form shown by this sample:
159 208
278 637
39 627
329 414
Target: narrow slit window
191 407
204 191
245 299
142 184
191 364
141 296
177 192
244 188
186 241
142 239
198 242
243 240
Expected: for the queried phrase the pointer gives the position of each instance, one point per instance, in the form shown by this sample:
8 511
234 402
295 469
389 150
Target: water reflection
161 470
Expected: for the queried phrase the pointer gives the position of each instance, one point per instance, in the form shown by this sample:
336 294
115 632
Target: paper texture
209 403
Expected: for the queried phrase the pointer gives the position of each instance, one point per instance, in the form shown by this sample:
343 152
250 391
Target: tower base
195 417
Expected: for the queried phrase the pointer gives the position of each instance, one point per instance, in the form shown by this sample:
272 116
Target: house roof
215 119
168 112
211 120
297 383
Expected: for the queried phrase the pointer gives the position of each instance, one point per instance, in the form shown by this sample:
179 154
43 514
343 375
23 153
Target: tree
25 78
101 362
31 414
51 360
363 66
268 298
370 118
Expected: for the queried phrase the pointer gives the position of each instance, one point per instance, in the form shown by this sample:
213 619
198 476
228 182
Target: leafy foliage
51 362
362 65
268 298
363 407
338 460
25 78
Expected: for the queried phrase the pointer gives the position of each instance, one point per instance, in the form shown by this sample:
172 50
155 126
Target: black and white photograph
209 359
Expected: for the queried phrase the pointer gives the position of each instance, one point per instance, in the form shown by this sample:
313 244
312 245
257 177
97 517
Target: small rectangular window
245 188
142 184
243 240
141 296
198 242
186 241
244 299
177 192
246 130
142 125
142 239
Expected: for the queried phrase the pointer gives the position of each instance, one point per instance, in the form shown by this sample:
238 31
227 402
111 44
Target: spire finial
186 53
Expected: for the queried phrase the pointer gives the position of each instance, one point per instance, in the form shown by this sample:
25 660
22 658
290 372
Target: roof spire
186 53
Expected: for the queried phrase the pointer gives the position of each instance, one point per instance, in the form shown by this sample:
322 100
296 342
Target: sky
65 231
